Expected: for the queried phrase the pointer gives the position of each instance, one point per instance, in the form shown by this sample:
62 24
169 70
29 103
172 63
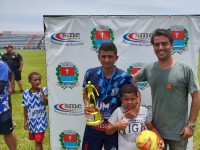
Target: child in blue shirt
6 125
35 117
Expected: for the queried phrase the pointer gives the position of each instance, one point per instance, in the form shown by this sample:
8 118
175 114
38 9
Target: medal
106 100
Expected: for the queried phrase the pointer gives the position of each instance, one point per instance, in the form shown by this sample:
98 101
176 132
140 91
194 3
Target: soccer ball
147 140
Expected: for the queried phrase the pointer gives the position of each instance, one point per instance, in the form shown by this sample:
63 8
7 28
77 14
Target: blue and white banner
72 44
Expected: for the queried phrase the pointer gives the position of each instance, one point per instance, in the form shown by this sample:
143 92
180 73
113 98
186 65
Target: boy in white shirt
128 129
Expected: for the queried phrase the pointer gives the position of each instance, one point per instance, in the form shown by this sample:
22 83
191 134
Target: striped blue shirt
37 117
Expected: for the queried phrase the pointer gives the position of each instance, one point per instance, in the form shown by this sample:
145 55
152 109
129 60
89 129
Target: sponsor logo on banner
137 39
67 39
69 109
67 75
70 140
133 69
180 35
100 35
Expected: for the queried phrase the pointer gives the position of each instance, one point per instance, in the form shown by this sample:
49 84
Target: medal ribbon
104 80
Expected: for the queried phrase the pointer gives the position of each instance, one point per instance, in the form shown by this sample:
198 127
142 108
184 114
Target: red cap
8 46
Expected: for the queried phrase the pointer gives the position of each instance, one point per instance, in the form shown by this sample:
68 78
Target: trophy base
94 123
94 119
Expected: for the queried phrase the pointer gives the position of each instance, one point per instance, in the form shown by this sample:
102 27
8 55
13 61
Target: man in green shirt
171 81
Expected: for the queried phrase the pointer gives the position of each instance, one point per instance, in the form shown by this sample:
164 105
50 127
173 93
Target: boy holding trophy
107 79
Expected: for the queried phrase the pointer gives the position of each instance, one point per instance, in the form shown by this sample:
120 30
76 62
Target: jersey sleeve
129 79
86 78
193 83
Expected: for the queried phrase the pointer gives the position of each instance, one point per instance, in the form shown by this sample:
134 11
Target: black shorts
17 75
6 125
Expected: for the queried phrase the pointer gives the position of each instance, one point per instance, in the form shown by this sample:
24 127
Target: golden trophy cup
94 118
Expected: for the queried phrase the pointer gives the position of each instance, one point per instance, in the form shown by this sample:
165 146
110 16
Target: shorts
38 137
92 143
176 145
6 125
17 75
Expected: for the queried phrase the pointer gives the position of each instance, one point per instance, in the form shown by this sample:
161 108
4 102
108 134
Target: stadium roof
22 32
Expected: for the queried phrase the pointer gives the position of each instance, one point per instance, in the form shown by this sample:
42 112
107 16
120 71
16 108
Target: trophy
94 118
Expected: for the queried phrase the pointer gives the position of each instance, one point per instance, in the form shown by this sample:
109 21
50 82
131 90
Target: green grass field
35 61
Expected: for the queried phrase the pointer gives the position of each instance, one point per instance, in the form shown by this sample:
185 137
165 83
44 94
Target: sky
27 15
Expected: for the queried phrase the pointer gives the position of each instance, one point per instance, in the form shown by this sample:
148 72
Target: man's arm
194 109
187 132
11 79
21 64
135 80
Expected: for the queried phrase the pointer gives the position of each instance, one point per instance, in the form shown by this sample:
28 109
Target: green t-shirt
169 90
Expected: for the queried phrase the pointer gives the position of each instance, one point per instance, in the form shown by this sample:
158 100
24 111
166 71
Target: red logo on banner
66 71
102 35
178 35
135 70
70 138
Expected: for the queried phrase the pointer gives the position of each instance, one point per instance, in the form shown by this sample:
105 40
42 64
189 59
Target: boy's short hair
162 32
108 46
128 89
32 74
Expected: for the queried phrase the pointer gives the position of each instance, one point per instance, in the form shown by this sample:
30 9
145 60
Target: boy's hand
10 91
40 87
121 124
26 125
131 113
161 144
89 110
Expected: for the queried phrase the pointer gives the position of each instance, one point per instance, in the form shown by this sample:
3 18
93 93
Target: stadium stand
22 40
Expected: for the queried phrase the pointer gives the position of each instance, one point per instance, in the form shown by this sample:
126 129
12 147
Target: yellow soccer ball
147 140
